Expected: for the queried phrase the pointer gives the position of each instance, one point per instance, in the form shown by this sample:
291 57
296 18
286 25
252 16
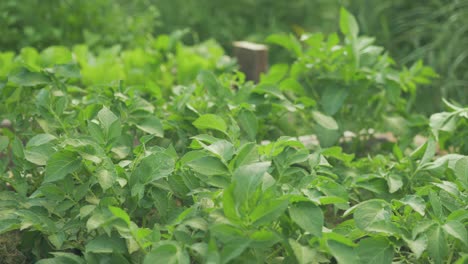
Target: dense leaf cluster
185 162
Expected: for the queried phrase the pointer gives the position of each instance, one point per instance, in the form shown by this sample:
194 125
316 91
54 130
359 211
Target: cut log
252 59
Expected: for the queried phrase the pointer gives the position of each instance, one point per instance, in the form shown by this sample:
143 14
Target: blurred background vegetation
435 31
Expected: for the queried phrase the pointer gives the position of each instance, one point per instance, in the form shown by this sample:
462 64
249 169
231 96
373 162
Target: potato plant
195 165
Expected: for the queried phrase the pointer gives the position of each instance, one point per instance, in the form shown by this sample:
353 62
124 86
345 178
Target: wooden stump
252 59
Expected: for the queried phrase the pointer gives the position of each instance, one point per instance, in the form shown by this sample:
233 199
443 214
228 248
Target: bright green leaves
461 171
325 121
211 121
417 203
60 165
62 257
418 246
151 125
268 211
344 254
4 141
437 244
213 86
105 244
394 182
111 161
249 200
375 250
348 24
248 122
372 214
333 98
303 254
106 127
28 78
67 70
208 166
457 230
246 179
289 42
153 167
223 149
110 124
308 216
39 148
167 252
444 121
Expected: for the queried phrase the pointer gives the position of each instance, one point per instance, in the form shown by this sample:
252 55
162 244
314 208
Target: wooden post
252 59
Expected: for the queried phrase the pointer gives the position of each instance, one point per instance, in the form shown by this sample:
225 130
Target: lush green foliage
433 30
352 80
41 23
185 162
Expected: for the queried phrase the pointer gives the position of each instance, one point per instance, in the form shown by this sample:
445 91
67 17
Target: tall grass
433 30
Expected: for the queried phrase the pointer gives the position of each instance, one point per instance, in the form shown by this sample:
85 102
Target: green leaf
233 249
210 121
333 98
167 253
436 205
208 79
461 171
9 224
325 121
375 250
394 182
348 24
39 155
437 245
70 70
229 205
442 122
417 203
222 148
60 165
151 125
303 254
120 214
275 74
462 260
86 210
208 166
69 258
38 149
308 216
40 139
457 230
247 154
62 257
106 176
288 42
344 254
248 123
268 211
417 246
431 146
153 167
247 178
55 55
4 141
27 78
370 212
105 244
109 123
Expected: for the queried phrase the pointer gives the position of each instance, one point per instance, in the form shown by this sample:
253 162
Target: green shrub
42 23
349 80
